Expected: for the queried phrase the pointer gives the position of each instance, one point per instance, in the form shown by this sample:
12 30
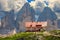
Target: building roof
33 24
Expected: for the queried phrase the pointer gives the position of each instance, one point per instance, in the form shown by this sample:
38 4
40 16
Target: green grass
17 36
33 36
51 38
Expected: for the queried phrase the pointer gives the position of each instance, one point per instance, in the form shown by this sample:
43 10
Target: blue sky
30 0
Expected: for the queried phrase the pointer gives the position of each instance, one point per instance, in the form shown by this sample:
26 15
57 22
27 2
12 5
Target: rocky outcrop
26 14
7 23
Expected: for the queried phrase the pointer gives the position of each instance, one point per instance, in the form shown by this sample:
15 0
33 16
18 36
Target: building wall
33 26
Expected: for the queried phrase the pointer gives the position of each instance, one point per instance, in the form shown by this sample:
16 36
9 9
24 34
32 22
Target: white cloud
38 4
8 5
18 4
4 4
51 3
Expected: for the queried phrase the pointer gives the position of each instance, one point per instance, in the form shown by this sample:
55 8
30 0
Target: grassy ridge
33 36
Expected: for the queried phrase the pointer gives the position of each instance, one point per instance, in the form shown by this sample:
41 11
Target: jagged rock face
49 16
25 15
7 23
2 14
47 13
58 22
51 25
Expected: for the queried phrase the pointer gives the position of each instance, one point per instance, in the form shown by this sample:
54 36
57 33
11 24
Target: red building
35 26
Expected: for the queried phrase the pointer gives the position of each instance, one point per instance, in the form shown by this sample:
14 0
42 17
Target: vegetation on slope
52 35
